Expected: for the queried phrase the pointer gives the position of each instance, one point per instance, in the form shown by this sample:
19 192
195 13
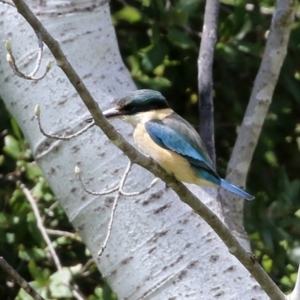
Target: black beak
113 113
109 114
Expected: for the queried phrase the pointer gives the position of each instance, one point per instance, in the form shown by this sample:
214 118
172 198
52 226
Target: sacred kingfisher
168 139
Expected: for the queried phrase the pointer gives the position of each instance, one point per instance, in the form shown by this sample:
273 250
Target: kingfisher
168 139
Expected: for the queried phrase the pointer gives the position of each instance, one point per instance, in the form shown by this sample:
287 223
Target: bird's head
138 106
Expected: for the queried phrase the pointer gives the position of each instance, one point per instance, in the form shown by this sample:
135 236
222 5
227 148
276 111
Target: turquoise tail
233 189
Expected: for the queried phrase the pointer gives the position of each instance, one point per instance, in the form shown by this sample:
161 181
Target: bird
170 140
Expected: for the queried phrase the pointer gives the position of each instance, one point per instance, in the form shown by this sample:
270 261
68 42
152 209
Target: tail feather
233 189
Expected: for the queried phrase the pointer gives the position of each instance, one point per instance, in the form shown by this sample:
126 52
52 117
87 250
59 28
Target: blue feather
176 134
185 141
232 188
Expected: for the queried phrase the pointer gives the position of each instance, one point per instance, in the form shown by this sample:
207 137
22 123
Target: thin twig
19 280
12 62
205 80
40 224
39 58
49 210
46 238
105 192
125 175
86 266
110 224
268 10
37 111
157 286
77 294
97 193
146 189
70 235
116 188
115 204
7 2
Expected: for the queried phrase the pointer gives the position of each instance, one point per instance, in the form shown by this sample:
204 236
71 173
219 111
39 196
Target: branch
46 238
8 2
12 62
268 10
260 100
37 111
110 224
68 234
115 204
136 157
120 190
19 280
205 80
118 187
40 224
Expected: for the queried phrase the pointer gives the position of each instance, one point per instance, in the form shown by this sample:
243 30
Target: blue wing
176 134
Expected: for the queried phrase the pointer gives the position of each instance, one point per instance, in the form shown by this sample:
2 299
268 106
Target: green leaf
129 14
3 219
146 3
154 57
12 147
22 295
156 83
180 39
188 6
38 190
41 275
271 158
247 26
19 203
2 159
33 254
33 171
16 129
40 288
60 283
156 33
177 17
232 2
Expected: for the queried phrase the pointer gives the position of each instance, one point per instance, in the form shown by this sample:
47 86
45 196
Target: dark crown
142 101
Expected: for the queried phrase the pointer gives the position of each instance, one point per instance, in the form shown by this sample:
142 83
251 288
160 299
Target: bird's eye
129 108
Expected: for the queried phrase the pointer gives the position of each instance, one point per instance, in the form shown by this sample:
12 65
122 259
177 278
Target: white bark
159 248
295 295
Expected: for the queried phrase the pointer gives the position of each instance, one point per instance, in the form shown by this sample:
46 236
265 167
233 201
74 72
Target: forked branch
118 188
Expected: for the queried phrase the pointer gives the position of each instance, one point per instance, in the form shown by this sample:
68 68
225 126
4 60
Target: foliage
159 42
